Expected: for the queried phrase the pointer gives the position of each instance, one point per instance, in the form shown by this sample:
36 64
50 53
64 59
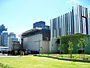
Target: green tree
41 49
15 52
62 48
70 48
82 44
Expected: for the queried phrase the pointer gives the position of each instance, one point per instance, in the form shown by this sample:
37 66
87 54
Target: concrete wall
33 42
36 43
46 47
53 46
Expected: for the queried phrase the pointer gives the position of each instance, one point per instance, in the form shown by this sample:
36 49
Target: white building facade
11 38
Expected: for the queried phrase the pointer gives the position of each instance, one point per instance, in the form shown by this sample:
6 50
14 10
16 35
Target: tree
62 48
70 48
82 44
15 52
41 49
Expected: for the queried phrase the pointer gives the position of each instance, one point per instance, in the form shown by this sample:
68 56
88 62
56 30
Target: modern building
12 38
2 28
0 41
7 40
36 40
40 24
4 38
12 35
15 45
75 21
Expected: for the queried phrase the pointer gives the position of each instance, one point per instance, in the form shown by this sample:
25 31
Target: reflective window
84 25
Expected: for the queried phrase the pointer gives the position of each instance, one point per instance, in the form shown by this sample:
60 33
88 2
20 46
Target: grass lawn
41 62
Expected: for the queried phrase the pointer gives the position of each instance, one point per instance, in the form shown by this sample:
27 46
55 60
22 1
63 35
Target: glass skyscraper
4 38
2 28
75 21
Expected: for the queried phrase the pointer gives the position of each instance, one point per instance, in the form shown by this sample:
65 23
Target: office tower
12 35
2 28
4 38
11 38
0 40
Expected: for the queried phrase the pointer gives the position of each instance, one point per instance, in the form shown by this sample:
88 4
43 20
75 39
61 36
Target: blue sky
19 15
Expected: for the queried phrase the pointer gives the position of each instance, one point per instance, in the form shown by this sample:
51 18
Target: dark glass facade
2 28
39 24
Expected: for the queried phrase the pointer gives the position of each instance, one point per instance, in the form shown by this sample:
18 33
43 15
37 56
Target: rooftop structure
40 24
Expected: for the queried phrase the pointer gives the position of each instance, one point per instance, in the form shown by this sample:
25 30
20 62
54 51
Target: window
84 25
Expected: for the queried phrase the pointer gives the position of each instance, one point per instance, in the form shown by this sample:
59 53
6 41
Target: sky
19 15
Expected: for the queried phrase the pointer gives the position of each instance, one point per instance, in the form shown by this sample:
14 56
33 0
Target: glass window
84 25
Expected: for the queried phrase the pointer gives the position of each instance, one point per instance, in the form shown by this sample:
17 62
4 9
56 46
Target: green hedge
74 39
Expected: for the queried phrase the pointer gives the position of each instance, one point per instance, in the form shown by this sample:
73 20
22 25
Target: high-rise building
0 41
2 28
11 38
75 21
12 35
4 38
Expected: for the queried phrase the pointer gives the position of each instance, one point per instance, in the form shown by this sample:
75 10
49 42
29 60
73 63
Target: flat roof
30 31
